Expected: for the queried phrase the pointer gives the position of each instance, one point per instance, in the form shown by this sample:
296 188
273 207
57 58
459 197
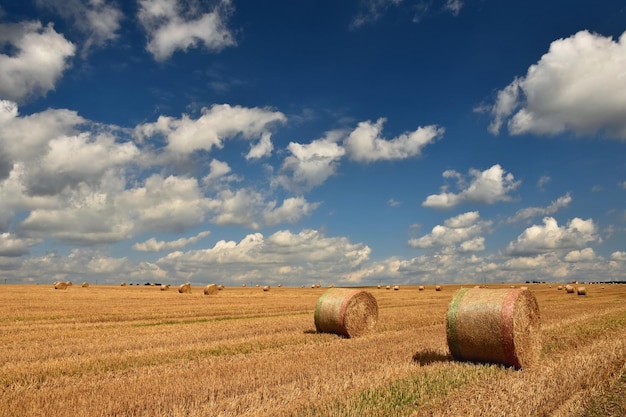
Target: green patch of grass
565 338
404 396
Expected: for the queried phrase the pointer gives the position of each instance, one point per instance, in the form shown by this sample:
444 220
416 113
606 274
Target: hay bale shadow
426 357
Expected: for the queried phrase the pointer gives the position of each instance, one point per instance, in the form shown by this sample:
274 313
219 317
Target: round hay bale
185 288
420 288
211 289
560 287
581 291
494 326
165 287
437 287
388 287
123 284
347 312
379 286
220 287
266 288
60 285
85 284
396 288
69 283
569 289
243 285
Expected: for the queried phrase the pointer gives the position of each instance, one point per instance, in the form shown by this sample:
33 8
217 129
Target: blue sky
347 143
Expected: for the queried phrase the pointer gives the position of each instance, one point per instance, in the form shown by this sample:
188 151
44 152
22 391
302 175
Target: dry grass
137 351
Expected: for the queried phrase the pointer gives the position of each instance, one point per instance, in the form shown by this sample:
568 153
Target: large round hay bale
494 326
345 311
569 289
581 291
85 284
266 288
165 287
60 286
210 289
437 287
185 288
420 288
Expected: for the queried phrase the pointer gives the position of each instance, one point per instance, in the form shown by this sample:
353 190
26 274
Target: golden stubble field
139 351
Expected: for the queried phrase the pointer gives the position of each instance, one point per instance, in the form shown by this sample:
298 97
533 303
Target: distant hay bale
211 289
560 287
581 291
220 287
379 286
69 283
185 288
396 288
60 286
569 289
85 284
437 287
165 287
123 284
243 285
388 287
494 326
266 288
346 311
420 288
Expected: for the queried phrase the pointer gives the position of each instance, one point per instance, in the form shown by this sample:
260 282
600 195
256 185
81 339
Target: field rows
138 351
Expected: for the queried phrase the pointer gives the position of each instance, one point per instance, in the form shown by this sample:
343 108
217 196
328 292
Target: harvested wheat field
140 351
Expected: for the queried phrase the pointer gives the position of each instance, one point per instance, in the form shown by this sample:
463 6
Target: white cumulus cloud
365 144
579 85
551 237
463 228
41 56
173 25
153 245
486 187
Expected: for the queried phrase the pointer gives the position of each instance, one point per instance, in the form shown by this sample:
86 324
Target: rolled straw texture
345 311
185 288
494 326
210 289
60 285
581 291
569 289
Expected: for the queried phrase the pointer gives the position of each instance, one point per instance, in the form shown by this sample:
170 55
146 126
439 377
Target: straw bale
69 283
60 286
569 289
85 284
437 287
396 288
560 287
420 288
581 291
346 311
211 289
494 326
123 284
185 288
266 288
165 287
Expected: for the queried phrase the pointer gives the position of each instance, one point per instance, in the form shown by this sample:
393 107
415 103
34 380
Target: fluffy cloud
364 144
577 86
247 207
274 259
153 245
552 237
97 20
309 165
216 124
618 256
530 212
171 26
12 246
462 228
40 58
487 187
584 255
